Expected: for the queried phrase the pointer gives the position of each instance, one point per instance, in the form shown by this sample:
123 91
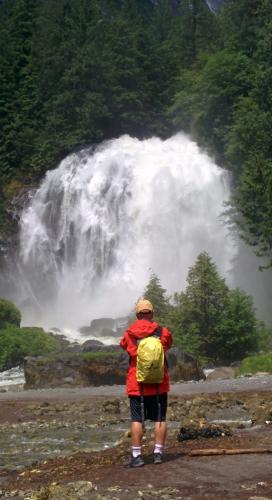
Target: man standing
147 400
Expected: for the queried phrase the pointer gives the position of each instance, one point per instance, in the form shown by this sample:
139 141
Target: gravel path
256 383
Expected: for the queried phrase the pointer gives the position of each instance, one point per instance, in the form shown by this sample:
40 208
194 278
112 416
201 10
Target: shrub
265 338
16 343
259 363
9 314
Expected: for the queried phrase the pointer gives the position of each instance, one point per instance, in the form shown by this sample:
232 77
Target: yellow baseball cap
143 305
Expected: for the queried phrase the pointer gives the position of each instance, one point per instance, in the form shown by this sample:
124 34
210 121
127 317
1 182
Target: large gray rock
183 366
97 325
75 370
104 365
221 373
105 327
92 345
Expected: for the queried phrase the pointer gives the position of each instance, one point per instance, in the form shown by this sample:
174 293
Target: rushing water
12 378
105 218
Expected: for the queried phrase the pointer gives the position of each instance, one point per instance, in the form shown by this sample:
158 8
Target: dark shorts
151 408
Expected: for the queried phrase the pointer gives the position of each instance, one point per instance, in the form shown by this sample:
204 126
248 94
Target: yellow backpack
150 359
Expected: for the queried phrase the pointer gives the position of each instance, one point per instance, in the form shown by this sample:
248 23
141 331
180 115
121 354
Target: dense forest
76 72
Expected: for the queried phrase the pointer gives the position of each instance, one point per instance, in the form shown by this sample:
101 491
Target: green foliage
186 332
254 364
238 331
202 306
16 343
224 99
157 296
209 90
9 314
265 338
211 321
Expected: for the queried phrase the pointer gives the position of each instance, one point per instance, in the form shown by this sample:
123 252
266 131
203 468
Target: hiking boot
157 458
135 461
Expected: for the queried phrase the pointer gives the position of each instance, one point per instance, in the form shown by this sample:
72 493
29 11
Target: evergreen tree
238 330
209 320
158 298
204 301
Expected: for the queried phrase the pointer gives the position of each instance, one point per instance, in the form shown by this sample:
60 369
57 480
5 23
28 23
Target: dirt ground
181 476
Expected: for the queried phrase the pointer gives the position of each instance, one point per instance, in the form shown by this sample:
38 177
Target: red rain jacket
140 329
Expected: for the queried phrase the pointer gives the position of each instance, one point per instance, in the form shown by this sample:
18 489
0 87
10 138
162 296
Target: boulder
75 370
183 366
92 345
85 330
223 372
105 327
97 325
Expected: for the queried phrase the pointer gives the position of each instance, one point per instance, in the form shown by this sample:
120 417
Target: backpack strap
158 403
157 333
142 405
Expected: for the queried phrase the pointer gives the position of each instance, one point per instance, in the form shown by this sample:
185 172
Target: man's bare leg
160 433
136 433
136 444
160 436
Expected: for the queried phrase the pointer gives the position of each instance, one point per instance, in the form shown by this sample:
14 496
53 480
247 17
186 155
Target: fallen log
222 451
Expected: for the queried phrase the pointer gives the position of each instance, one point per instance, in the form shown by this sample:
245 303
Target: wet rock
71 491
234 416
259 409
223 372
167 493
97 325
85 330
106 327
92 345
183 366
206 431
112 406
75 370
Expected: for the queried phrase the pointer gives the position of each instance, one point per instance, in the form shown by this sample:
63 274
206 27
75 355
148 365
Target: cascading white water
104 219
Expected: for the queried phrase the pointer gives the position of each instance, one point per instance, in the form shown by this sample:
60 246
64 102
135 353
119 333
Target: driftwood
222 451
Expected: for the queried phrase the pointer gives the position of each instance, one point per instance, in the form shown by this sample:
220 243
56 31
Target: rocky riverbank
47 444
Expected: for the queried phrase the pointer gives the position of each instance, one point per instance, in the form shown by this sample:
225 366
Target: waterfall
107 217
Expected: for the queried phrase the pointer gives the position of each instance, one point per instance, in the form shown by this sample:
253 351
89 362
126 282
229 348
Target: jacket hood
142 328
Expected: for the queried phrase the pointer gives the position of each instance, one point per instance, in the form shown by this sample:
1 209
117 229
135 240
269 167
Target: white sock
158 448
136 451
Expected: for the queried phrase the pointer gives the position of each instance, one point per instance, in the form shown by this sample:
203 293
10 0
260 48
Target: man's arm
123 342
129 344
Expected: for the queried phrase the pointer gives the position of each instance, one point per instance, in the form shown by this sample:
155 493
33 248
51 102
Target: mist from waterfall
106 218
